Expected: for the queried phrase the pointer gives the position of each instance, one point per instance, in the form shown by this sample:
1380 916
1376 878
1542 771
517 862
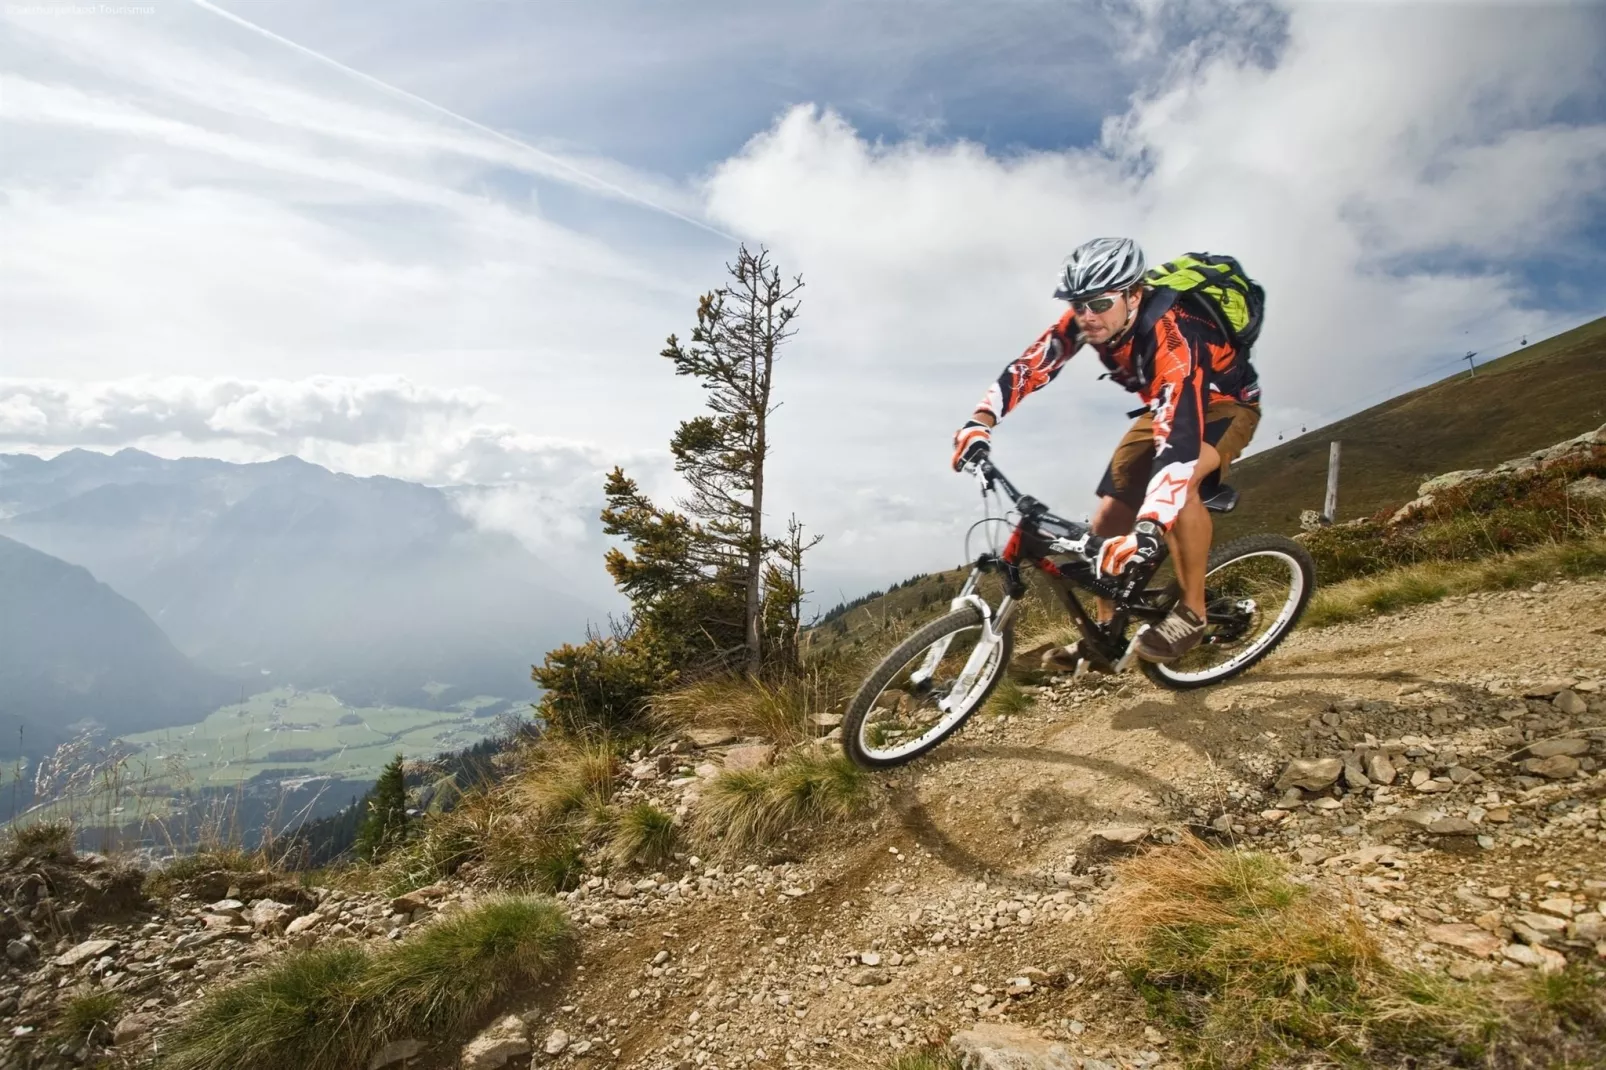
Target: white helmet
1099 266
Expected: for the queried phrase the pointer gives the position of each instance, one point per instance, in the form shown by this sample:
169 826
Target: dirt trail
966 898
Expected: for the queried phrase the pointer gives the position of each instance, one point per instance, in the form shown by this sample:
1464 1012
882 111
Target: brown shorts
1229 425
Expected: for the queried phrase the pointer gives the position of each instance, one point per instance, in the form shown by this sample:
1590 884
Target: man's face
1100 326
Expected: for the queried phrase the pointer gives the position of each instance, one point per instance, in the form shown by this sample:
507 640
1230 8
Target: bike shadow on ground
917 819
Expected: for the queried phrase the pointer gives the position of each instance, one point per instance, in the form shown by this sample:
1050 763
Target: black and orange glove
1121 553
971 443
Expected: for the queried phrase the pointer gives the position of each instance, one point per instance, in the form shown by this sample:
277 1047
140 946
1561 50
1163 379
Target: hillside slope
1525 401
379 589
71 649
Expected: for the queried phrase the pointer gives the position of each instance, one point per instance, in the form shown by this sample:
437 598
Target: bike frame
1037 537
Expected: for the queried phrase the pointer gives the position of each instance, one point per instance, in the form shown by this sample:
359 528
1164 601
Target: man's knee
1209 460
1113 517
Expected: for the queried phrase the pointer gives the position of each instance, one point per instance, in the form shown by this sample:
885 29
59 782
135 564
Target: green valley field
307 733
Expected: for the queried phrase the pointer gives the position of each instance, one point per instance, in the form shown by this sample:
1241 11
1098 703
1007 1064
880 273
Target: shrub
1359 598
171 876
599 686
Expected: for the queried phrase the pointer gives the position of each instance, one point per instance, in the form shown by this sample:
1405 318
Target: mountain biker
1201 406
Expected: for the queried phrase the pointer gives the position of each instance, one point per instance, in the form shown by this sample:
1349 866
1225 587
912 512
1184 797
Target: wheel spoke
934 688
1251 601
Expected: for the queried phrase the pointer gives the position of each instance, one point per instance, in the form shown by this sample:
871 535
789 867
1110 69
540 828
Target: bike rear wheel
924 690
1256 590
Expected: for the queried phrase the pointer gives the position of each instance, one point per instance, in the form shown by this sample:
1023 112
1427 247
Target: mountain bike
1256 588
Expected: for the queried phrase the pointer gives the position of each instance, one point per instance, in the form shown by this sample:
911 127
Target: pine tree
386 823
740 330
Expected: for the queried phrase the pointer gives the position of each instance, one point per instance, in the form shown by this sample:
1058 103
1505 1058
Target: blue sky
242 242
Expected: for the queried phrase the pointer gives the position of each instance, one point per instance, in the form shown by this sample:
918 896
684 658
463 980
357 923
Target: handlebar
1035 511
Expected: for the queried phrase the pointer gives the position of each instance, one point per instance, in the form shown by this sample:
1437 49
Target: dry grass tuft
333 1008
751 808
778 711
1251 966
642 834
51 840
88 1016
1362 598
562 779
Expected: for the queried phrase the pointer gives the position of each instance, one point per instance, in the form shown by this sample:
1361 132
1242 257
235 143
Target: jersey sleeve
1032 370
1179 402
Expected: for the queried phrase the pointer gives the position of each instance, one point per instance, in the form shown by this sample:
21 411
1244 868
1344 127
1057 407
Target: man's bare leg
1113 517
1191 534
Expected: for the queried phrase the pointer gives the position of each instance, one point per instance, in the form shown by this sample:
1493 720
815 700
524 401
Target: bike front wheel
924 690
1255 592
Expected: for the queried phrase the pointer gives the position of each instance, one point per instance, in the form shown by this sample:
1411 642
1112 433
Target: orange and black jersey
1177 358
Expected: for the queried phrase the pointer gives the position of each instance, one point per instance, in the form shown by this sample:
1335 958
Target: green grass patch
642 834
442 979
1365 597
1007 699
303 1012
87 1016
52 840
331 1009
743 809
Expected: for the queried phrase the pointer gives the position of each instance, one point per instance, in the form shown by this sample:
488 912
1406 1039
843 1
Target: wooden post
1330 506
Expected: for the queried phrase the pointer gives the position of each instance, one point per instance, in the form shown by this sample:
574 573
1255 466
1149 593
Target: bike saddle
1224 500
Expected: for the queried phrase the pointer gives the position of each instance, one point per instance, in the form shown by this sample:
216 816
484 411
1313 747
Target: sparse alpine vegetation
1250 968
1387 592
331 1009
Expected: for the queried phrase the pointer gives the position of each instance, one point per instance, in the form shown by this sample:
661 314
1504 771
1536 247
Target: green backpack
1221 288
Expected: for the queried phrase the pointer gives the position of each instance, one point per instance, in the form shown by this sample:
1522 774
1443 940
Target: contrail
413 98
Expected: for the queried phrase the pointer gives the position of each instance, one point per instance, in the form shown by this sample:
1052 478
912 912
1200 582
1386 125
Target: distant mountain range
286 573
73 649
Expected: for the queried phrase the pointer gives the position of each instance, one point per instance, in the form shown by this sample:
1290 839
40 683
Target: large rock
1448 480
1000 1046
499 1042
87 951
1380 769
1111 836
1560 767
1311 774
131 1028
1549 748
266 915
1589 489
702 738
1569 703
1469 938
752 756
397 1051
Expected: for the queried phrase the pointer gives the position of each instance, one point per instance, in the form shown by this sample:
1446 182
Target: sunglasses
1094 304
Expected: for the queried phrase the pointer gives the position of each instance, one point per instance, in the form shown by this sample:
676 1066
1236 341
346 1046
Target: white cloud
1380 140
215 246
